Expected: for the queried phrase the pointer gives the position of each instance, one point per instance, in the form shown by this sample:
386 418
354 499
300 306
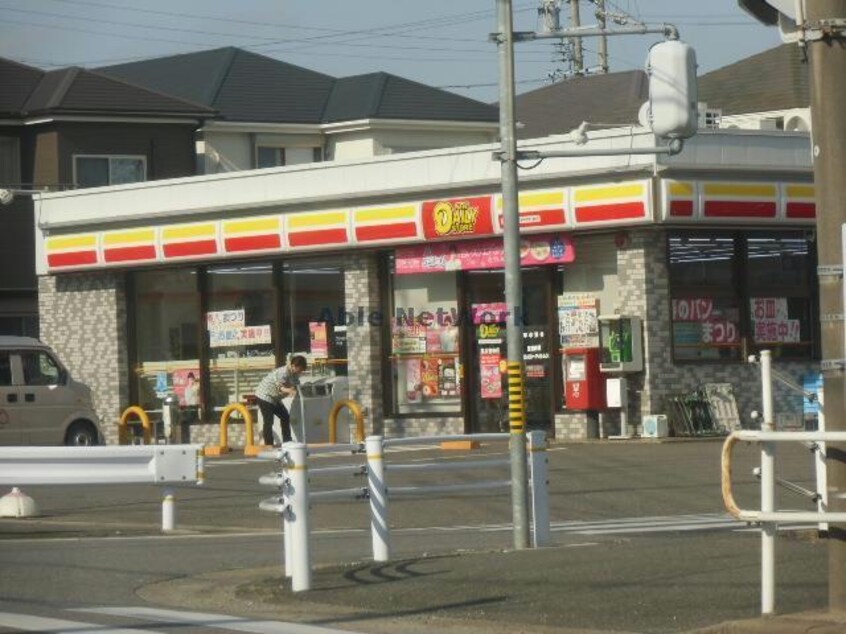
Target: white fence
295 496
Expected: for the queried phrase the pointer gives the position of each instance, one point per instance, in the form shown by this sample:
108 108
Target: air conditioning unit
655 426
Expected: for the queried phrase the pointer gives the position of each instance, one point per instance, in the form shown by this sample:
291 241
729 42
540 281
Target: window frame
109 158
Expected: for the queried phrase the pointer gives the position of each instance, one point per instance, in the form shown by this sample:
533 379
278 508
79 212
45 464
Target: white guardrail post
539 486
768 529
297 516
378 491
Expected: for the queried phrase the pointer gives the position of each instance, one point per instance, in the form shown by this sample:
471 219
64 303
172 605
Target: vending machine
584 383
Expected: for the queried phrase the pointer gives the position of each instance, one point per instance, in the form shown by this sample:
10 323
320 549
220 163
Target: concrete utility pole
513 283
601 21
578 50
828 93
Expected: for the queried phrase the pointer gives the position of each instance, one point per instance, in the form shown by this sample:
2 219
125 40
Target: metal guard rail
773 436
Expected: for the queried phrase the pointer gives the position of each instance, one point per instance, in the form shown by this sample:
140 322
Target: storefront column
83 318
635 267
364 339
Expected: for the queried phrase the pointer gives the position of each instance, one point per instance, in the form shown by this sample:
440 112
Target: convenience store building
387 274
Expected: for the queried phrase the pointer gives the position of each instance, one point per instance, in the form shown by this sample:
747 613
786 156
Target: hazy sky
438 42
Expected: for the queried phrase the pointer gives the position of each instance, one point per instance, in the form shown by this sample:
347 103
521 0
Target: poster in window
448 378
409 339
413 380
429 378
319 339
770 321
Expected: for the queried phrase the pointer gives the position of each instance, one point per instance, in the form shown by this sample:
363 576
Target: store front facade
396 293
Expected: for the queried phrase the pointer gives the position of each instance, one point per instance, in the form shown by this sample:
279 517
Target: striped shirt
269 389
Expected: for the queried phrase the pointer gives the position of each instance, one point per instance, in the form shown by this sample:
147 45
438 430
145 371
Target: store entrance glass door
485 328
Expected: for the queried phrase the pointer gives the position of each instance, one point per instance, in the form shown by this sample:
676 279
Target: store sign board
457 217
481 254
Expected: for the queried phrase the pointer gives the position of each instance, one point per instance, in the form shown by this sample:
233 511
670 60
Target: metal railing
767 516
133 464
295 496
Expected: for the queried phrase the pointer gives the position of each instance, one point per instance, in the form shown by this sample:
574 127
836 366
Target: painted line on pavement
217 621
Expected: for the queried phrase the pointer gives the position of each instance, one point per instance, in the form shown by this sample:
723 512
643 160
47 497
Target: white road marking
217 621
28 623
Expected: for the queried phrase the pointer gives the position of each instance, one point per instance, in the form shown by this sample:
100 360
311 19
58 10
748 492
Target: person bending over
279 384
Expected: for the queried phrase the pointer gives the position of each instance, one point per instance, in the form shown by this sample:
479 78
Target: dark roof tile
386 96
776 79
18 82
612 99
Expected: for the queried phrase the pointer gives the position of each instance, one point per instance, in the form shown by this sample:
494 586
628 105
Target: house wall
169 149
396 142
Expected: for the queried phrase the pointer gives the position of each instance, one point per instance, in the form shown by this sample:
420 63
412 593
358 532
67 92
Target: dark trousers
268 411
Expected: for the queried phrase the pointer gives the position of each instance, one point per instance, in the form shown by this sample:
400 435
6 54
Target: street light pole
513 284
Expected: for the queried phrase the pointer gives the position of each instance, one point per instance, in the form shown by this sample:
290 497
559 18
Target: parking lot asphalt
676 581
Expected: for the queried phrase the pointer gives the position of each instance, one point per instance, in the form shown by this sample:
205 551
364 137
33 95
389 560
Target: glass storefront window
314 322
735 293
167 309
424 344
239 324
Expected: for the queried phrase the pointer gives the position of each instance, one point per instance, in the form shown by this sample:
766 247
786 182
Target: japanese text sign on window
770 323
693 309
225 319
243 336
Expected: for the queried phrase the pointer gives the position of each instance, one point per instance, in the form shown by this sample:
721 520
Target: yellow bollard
355 410
124 422
224 430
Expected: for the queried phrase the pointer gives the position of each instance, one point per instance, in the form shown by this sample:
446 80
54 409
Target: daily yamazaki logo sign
457 217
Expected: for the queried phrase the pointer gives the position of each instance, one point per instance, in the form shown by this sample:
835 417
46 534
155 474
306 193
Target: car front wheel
81 434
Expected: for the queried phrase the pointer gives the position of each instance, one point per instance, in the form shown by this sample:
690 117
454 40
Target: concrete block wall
364 340
83 318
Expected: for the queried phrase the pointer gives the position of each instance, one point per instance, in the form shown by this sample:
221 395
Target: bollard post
201 467
296 512
539 486
287 555
168 511
768 529
379 530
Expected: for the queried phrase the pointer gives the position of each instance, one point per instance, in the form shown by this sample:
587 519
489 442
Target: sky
441 43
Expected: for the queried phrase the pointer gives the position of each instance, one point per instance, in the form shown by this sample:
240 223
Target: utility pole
601 17
576 42
513 283
828 93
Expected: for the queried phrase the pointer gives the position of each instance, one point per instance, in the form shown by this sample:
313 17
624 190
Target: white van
40 404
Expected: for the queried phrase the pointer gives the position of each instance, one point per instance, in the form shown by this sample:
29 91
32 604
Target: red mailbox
584 384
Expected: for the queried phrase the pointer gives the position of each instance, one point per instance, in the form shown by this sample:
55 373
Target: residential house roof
612 99
31 91
776 79
248 87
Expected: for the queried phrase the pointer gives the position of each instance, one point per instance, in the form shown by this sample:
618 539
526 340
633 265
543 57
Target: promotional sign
319 339
770 323
577 320
243 336
225 319
457 217
481 254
